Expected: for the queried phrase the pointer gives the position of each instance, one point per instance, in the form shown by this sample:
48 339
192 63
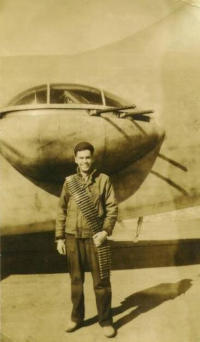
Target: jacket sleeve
111 208
61 213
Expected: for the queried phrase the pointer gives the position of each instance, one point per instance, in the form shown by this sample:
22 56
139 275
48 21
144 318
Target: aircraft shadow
36 254
144 301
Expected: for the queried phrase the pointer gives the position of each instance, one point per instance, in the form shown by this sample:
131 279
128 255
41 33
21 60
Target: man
76 238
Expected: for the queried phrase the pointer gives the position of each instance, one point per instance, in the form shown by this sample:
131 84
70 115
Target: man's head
84 156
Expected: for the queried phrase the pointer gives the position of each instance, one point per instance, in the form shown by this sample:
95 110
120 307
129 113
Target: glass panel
28 99
85 96
60 96
114 101
41 96
36 95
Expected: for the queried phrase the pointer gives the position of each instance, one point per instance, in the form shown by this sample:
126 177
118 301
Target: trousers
82 255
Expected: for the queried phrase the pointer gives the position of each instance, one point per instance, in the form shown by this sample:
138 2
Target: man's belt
89 211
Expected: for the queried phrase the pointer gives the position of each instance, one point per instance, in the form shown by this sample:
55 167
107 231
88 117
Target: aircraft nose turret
38 140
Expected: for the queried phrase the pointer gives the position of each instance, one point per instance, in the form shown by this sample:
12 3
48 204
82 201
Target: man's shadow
145 300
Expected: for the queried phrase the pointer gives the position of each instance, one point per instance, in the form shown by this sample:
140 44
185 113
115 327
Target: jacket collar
91 175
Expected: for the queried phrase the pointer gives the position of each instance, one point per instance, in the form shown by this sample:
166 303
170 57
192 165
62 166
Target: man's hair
83 146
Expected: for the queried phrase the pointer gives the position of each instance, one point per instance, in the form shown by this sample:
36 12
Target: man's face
84 160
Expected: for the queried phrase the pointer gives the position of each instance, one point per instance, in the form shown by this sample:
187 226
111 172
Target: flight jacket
70 218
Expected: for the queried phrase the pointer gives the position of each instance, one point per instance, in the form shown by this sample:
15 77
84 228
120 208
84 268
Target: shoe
71 326
109 331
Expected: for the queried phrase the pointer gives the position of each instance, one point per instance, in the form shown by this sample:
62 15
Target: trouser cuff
106 323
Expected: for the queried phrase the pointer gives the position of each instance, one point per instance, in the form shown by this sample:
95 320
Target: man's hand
61 247
99 238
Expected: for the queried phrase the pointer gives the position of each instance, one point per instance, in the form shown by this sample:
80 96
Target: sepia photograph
100 170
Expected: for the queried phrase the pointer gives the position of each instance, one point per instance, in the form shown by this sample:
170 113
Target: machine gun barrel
112 109
136 112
